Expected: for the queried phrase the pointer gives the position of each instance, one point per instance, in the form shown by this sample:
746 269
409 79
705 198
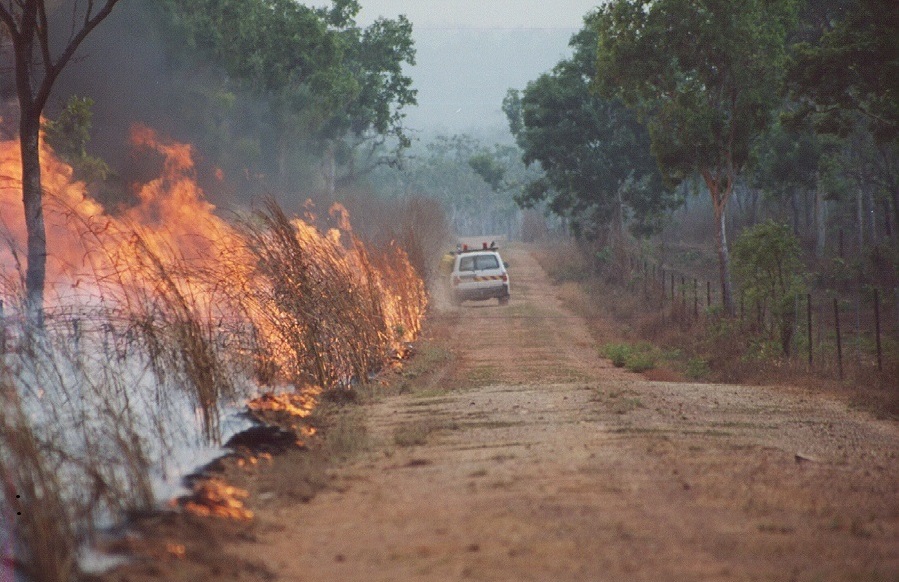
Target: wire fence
830 331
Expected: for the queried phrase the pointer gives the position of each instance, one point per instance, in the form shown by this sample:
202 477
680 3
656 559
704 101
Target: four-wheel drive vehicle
478 275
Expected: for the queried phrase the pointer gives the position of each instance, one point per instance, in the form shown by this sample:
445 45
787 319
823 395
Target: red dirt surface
529 457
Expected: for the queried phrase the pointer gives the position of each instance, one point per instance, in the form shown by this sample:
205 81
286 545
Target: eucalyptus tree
704 76
38 63
330 84
844 78
593 152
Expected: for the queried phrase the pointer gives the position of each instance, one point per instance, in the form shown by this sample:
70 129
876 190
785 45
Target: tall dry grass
103 402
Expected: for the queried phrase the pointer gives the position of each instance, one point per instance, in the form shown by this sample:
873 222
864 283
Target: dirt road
531 458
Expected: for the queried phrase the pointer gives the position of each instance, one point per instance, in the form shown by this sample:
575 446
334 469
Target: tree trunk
723 259
860 216
32 198
887 221
794 210
872 216
895 196
820 220
329 170
719 203
618 226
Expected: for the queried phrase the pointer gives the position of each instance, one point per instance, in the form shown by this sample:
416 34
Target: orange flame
173 238
215 498
299 404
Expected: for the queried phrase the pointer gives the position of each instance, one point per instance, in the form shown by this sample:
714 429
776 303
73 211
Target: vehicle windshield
478 263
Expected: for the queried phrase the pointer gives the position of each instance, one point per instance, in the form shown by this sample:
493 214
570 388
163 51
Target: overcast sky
470 52
482 13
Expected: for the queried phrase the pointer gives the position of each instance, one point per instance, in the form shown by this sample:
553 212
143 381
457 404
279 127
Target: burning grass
213 497
159 321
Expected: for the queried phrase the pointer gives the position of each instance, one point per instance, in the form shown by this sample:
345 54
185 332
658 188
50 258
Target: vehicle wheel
504 300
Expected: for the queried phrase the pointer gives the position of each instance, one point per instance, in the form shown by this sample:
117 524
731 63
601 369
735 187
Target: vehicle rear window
483 262
478 263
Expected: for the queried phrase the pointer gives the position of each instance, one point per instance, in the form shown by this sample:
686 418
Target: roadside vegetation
668 341
732 200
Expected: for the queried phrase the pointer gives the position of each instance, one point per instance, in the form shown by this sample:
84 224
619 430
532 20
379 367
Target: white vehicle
478 275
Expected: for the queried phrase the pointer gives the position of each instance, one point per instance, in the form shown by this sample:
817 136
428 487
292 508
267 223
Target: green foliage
636 358
786 160
853 66
475 183
641 362
595 154
704 77
69 134
697 369
768 266
489 168
617 353
330 86
702 73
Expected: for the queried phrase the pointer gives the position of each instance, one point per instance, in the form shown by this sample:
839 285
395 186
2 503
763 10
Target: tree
330 85
375 57
704 76
768 265
36 70
785 165
851 70
852 67
68 136
593 151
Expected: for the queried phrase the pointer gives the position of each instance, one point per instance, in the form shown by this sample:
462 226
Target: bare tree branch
90 22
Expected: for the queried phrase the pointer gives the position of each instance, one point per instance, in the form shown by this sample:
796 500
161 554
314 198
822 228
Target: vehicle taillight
505 277
456 281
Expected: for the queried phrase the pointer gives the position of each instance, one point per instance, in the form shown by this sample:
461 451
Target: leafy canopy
703 74
594 153
69 135
853 67
322 74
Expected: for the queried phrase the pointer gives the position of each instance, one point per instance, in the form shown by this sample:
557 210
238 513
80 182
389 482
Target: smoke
128 68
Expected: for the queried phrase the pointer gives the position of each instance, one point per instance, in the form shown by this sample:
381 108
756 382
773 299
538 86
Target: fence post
809 318
673 296
708 293
877 329
663 286
896 303
836 317
695 298
2 330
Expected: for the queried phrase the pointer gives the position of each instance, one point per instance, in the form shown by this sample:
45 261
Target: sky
482 13
470 52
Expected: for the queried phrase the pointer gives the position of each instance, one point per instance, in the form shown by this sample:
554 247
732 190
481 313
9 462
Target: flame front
172 243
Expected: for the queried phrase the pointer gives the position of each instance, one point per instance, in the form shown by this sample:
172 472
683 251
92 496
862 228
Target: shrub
637 358
618 353
768 269
696 369
641 361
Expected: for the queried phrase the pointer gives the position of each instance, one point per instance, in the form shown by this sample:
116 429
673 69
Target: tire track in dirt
542 462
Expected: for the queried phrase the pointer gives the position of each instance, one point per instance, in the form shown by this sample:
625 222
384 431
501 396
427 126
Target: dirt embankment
531 458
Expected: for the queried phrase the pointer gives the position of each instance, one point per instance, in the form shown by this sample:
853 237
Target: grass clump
697 369
411 434
636 358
